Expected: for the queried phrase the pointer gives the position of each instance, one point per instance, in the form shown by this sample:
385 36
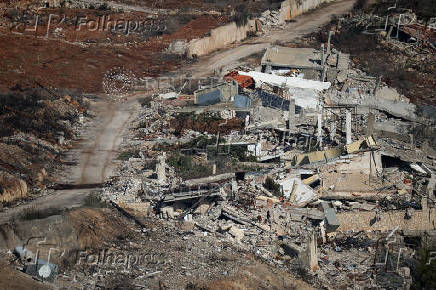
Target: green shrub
186 168
241 15
125 155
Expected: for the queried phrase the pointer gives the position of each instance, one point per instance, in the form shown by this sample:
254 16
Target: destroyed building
297 159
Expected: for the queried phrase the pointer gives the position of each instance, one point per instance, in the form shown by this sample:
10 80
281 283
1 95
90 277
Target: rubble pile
396 45
270 19
310 163
323 174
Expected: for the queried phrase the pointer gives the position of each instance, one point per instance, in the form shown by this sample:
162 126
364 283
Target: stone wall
293 8
219 37
422 220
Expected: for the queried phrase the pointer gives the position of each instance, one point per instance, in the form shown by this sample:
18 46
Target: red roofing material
243 81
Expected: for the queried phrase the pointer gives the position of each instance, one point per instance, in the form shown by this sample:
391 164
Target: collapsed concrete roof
292 57
290 82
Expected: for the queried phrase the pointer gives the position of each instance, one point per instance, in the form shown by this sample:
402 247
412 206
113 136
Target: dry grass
96 226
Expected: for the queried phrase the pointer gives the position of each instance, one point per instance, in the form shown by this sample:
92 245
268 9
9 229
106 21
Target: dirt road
98 148
303 25
93 155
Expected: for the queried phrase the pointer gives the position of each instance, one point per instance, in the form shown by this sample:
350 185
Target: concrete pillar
312 253
268 69
370 128
431 186
328 42
234 189
324 73
319 137
214 169
398 26
161 168
292 115
412 141
322 54
388 36
217 141
333 128
377 85
348 126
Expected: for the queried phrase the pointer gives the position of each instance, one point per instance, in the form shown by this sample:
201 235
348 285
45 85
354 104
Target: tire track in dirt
116 140
89 153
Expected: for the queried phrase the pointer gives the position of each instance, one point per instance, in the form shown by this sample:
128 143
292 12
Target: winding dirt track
93 155
98 148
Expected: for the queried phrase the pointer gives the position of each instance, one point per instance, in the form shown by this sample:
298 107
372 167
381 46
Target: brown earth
204 5
258 276
176 253
11 188
62 59
96 226
14 279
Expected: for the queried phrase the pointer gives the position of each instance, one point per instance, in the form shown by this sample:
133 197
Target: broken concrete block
298 192
237 233
167 212
331 221
225 227
186 225
201 209
388 93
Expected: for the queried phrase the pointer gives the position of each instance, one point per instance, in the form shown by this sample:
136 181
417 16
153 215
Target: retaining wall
219 37
224 35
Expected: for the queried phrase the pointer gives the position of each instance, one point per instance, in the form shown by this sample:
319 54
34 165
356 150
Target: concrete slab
291 57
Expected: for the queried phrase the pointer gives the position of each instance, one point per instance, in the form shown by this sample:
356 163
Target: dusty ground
14 279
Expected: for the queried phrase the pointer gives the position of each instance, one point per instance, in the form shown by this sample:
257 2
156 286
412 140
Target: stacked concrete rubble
321 186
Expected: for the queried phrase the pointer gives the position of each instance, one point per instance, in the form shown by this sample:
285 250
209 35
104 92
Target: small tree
241 15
